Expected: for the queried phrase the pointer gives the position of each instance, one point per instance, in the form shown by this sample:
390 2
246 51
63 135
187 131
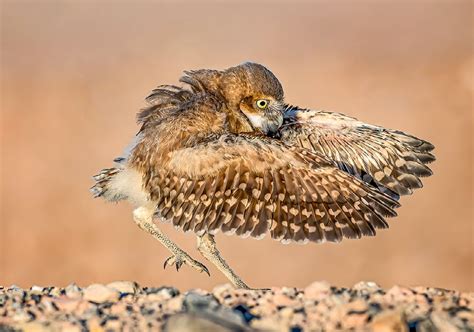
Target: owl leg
207 247
143 217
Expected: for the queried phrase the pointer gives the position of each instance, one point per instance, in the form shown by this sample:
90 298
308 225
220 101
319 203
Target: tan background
74 74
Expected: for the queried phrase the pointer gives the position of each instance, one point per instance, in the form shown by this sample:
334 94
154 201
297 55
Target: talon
167 261
180 260
204 269
179 263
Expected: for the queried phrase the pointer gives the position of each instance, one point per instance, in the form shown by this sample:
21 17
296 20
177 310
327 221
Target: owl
224 152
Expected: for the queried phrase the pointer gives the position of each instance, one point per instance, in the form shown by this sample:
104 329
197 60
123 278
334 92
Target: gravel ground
124 305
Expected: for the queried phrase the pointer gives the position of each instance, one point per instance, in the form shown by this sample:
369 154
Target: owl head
249 88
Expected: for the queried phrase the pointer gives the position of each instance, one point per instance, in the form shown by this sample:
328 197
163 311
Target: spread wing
248 185
387 159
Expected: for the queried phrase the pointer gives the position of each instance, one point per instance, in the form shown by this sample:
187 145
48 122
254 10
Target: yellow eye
262 103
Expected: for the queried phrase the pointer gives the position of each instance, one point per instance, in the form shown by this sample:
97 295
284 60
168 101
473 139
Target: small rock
73 291
467 316
266 324
36 290
222 290
200 291
15 290
389 321
443 322
67 326
93 325
289 291
467 300
124 287
99 294
317 290
21 317
85 307
67 304
355 321
208 306
265 309
47 305
287 313
54 291
30 327
175 304
366 287
398 294
356 306
282 300
170 291
192 323
245 312
113 325
119 308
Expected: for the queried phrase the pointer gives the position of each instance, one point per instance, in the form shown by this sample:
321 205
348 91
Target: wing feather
390 160
249 184
205 179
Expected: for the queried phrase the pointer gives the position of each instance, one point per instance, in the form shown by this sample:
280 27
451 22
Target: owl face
265 113
249 90
257 93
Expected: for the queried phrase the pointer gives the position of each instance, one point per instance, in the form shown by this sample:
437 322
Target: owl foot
207 247
143 217
183 258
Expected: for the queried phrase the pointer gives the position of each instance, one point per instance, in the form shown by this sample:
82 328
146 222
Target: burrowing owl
225 153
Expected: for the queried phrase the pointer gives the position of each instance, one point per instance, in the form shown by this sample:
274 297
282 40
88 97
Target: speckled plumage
211 160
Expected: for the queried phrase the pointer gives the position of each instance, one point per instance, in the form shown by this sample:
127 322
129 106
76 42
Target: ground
124 305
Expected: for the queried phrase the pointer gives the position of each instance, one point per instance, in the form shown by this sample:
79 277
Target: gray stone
185 322
207 307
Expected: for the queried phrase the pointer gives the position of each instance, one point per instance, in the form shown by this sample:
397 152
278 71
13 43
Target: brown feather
392 159
208 168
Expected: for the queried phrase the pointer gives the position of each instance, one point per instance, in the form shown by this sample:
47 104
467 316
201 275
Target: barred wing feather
388 159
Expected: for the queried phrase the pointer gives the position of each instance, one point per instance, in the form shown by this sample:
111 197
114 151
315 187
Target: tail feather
102 185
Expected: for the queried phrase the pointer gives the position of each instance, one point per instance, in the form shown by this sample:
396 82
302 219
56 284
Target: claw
179 261
204 269
167 262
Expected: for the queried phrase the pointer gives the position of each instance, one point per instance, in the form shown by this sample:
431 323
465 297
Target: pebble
99 293
124 305
389 321
175 304
124 287
282 300
55 291
36 290
67 304
317 290
73 291
366 287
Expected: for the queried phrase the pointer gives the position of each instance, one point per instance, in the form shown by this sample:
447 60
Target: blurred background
75 73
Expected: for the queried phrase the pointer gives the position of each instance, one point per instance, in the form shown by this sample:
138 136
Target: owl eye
262 103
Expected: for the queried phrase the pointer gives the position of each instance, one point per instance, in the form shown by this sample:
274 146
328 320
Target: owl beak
267 122
273 124
272 132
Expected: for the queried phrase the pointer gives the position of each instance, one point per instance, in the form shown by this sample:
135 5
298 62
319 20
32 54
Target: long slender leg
144 219
207 247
